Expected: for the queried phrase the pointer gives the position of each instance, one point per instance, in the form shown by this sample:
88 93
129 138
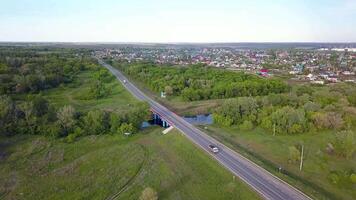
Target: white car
124 81
214 148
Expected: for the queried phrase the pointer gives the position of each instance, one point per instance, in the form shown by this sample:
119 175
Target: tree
246 126
222 120
40 105
7 115
126 128
168 90
289 120
344 143
30 117
335 120
98 90
96 122
115 122
66 119
148 194
311 107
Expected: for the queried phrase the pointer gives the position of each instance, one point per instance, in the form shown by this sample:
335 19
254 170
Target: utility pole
301 158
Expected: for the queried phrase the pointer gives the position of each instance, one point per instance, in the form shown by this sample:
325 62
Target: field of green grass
110 166
75 94
272 151
100 167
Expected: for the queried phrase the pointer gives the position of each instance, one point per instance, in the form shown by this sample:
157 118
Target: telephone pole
301 158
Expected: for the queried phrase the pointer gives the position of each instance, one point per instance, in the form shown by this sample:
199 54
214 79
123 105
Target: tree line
305 109
37 116
31 70
200 82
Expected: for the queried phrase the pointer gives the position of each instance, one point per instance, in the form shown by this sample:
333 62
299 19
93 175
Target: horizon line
140 42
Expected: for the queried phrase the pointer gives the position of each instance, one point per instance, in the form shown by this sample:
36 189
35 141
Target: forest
200 82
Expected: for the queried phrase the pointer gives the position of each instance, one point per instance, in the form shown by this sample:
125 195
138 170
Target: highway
263 182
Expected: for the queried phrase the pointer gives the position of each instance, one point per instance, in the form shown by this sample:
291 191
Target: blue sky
178 20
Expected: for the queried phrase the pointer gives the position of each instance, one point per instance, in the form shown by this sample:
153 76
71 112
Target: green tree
246 125
29 117
344 143
40 105
96 122
8 119
126 128
289 120
168 90
66 119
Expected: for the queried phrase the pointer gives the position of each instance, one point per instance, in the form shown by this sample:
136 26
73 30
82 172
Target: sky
176 21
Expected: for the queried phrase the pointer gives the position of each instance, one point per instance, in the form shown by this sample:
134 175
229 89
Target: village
317 66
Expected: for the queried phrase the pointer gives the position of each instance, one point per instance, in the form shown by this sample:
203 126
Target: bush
246 126
344 143
294 154
222 120
126 128
77 133
95 122
148 194
353 178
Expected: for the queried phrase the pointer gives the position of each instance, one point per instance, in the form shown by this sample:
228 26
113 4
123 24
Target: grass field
272 151
99 167
110 166
74 94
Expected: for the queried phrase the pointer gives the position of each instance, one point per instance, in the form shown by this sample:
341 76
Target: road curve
263 182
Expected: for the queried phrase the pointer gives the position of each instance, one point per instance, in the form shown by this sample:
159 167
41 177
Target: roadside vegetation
273 128
199 82
113 167
276 127
67 141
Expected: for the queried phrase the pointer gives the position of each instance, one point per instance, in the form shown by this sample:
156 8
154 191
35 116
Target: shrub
344 144
126 128
246 126
148 194
294 154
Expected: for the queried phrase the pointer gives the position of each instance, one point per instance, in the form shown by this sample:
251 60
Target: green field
110 166
74 94
98 167
272 151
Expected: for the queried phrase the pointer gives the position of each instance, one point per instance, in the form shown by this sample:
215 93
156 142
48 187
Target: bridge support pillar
159 121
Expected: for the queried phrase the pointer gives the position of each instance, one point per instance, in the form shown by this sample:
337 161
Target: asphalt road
263 182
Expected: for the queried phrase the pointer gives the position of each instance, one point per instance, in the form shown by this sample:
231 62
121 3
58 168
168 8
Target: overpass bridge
159 120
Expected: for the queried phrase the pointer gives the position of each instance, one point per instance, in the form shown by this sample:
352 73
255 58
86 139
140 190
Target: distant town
315 65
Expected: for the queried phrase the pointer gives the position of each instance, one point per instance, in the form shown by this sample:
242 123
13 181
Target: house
263 72
318 82
311 77
332 79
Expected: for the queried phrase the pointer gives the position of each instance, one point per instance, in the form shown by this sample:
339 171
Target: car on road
124 81
213 148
